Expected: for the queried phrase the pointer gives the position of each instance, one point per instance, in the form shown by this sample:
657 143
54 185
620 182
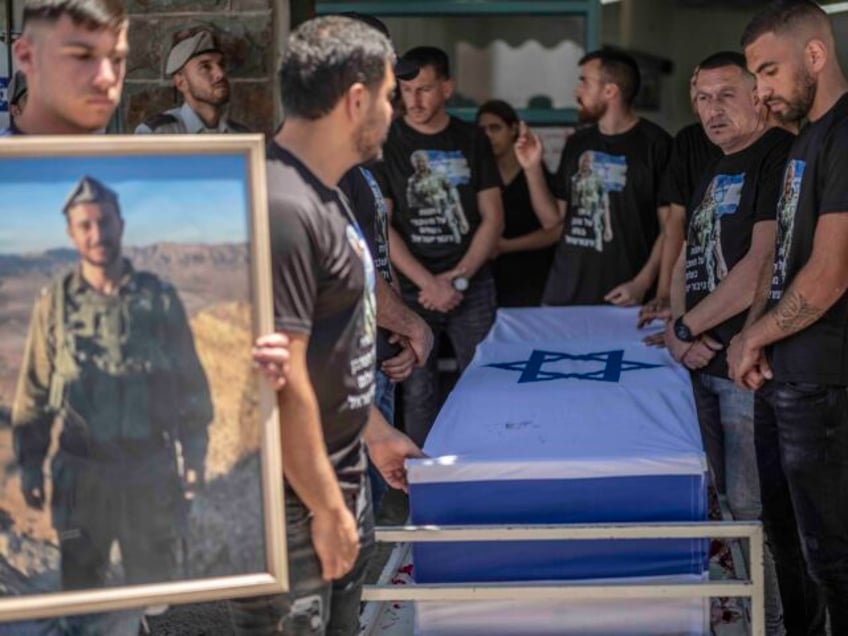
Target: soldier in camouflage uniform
198 68
111 357
428 188
591 197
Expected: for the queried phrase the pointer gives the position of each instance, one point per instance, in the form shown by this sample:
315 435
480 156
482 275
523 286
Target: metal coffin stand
378 596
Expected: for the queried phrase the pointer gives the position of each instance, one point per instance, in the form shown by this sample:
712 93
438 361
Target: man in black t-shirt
403 339
606 189
730 233
442 185
337 115
691 153
794 349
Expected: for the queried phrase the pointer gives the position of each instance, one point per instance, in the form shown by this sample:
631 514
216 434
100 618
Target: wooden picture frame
194 226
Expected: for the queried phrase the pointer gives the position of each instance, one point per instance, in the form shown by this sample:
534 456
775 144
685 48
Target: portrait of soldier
111 365
591 197
429 188
705 231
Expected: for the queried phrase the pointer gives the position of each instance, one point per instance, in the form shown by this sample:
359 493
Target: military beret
17 87
89 190
201 42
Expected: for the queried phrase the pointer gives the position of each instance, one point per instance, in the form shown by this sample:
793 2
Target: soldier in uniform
591 196
428 188
110 356
198 68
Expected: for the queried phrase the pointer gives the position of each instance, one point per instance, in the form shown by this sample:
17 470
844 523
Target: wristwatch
460 283
682 332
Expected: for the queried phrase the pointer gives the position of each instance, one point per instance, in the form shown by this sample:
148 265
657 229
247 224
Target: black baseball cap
404 69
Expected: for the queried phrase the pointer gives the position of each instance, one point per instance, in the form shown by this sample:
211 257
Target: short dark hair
781 16
430 56
618 68
498 108
722 59
92 14
324 58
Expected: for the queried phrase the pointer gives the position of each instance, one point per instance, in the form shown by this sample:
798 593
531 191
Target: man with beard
110 354
337 84
794 350
403 338
628 155
198 68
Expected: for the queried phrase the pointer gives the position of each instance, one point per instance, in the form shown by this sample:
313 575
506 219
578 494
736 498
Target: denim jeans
312 606
802 453
384 400
465 326
726 418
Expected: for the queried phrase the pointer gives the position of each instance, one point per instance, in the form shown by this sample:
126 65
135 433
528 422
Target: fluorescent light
836 7
614 1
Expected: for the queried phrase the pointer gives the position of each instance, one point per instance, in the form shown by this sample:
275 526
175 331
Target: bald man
794 350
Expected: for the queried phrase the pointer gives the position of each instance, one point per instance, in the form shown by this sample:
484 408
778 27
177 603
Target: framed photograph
140 459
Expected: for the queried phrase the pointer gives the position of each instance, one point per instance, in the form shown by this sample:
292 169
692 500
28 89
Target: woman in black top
525 250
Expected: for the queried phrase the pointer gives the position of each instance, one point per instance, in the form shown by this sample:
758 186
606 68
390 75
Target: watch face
682 331
460 283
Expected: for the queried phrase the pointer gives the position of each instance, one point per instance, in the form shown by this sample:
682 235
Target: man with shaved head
794 350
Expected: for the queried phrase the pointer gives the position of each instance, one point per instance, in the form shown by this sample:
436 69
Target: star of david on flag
613 365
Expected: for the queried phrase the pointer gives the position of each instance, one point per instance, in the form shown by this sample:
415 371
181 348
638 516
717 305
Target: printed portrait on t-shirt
381 258
786 208
362 369
706 254
432 191
590 222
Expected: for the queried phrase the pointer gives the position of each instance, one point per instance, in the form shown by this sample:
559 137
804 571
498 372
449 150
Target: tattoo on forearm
794 312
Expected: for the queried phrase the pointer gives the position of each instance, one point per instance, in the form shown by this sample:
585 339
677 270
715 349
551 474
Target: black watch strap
682 332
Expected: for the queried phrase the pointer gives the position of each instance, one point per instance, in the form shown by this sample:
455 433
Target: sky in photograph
178 199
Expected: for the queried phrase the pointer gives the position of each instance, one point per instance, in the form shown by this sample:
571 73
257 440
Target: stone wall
248 30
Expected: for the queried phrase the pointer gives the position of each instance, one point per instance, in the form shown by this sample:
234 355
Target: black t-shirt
736 191
323 281
433 181
369 208
691 153
815 183
520 276
610 184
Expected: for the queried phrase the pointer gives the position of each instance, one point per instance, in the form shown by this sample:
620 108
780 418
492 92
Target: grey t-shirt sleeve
294 267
